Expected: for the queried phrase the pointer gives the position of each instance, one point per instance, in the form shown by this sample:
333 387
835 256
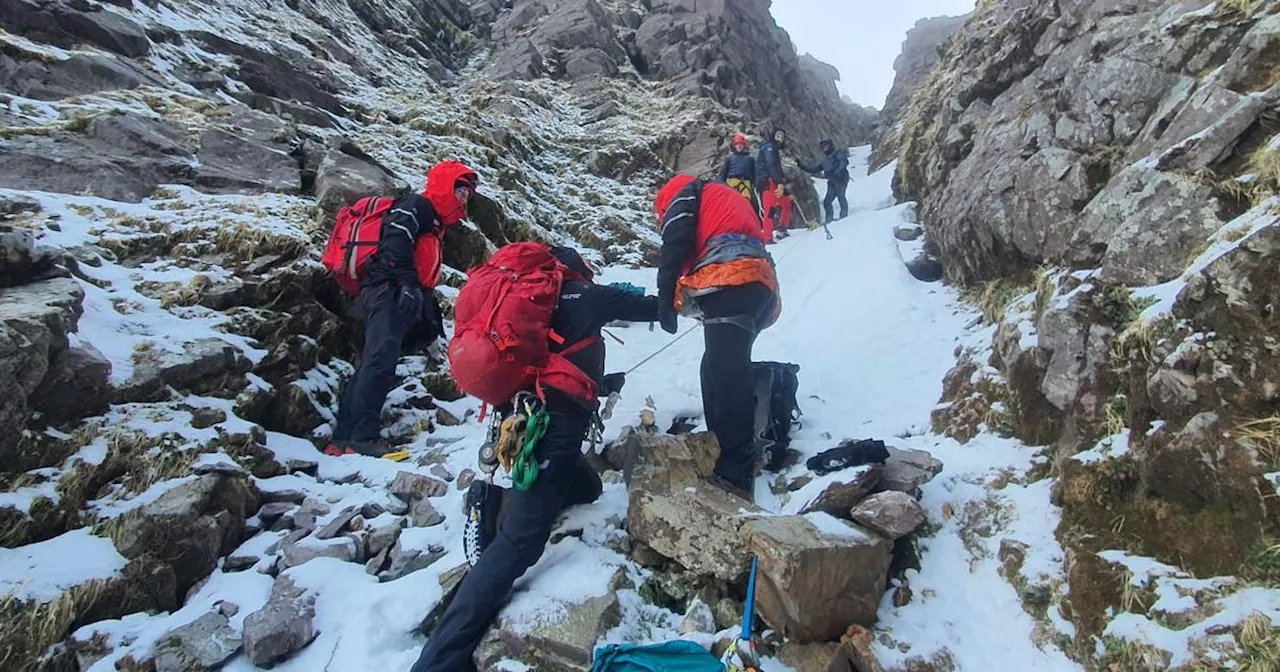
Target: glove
612 383
627 287
667 318
409 300
432 318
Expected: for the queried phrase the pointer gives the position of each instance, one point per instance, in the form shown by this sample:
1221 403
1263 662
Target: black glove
432 318
667 318
612 383
409 300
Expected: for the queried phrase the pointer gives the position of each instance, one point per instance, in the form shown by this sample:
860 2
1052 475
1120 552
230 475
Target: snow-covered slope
873 345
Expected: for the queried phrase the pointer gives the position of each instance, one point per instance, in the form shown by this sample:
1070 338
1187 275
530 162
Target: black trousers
522 537
730 322
385 326
836 189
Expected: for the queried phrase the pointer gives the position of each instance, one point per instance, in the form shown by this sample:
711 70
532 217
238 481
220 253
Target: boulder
119 157
423 514
203 644
228 163
814 657
383 537
671 509
338 524
34 322
817 574
893 514
907 470
282 627
405 561
409 486
345 175
21 258
304 551
69 24
699 618
106 29
837 493
562 640
189 527
698 529
203 365
77 385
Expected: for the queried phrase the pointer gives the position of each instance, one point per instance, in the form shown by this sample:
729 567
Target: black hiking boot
367 448
731 488
483 507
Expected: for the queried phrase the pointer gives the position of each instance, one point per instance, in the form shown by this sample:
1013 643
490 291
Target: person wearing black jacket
835 169
396 292
739 170
564 477
771 183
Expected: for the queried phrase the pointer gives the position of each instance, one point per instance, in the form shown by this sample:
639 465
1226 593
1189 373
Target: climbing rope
524 469
659 351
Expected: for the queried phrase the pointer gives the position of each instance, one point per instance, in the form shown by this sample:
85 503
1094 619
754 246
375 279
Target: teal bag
675 656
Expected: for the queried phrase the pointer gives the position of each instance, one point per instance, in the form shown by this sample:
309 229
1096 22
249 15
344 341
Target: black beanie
570 257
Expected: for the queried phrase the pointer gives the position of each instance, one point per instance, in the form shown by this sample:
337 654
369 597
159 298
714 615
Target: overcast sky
860 37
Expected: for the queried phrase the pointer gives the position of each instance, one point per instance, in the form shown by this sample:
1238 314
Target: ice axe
806 221
741 655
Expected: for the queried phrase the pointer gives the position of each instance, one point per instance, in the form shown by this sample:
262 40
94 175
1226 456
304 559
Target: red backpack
502 329
354 239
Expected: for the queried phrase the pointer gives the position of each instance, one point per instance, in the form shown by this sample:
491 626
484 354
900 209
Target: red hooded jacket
428 251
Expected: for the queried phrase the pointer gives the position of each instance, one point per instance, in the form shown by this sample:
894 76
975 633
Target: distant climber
562 478
715 267
739 170
835 169
771 183
396 282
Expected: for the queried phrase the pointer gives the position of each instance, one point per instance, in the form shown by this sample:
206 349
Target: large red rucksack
502 329
354 239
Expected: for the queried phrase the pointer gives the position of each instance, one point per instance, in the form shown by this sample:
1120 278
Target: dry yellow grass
1263 435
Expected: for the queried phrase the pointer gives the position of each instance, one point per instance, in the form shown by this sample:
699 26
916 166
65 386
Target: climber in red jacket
395 290
715 268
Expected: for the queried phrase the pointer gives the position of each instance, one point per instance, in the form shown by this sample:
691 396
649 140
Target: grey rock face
1073 142
204 364
282 627
190 526
203 644
920 52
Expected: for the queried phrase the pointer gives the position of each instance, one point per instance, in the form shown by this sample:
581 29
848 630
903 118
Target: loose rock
893 514
283 626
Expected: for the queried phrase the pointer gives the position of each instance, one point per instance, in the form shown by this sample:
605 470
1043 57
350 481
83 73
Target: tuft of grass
1123 655
144 352
1263 436
1260 640
1237 7
27 628
1120 306
1262 564
994 298
1115 414
1264 164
